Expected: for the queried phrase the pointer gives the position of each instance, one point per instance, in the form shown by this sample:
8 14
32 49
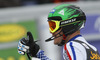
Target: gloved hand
28 45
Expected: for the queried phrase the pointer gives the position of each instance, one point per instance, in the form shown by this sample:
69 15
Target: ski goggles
53 25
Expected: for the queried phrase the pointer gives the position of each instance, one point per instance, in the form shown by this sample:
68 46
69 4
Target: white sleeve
76 51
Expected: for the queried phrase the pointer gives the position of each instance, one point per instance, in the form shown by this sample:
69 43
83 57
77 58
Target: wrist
40 52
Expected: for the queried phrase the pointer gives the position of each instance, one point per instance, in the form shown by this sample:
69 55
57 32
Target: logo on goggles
68 21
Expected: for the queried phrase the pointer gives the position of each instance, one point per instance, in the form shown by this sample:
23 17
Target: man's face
59 39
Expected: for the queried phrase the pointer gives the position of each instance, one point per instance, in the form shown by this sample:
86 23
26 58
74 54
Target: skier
65 22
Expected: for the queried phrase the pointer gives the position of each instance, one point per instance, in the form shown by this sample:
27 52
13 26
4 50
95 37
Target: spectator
9 3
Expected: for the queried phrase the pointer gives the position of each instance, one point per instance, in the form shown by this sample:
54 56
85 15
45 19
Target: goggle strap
63 22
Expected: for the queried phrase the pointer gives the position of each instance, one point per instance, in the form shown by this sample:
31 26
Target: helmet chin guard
52 38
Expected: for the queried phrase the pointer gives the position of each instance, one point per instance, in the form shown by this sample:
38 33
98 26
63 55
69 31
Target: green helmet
71 17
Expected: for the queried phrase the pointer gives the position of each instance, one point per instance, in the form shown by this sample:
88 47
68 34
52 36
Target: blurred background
19 16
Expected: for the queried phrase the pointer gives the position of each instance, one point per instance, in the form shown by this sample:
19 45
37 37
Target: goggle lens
52 25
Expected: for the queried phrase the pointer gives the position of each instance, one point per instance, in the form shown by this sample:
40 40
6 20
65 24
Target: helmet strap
63 40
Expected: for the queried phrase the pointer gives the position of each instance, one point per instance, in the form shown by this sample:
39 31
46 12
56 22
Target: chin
56 43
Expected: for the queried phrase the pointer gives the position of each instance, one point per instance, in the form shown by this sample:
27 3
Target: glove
28 46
